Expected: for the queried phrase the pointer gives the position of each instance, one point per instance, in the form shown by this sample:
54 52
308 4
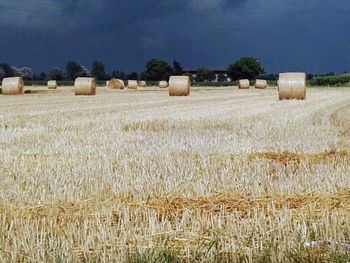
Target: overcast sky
285 35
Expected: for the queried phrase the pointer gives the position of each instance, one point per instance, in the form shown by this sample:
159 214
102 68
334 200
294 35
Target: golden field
224 174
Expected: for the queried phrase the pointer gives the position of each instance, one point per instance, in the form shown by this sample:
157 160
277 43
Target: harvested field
222 174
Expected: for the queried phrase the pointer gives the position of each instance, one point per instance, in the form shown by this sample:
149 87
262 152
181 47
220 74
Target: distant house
217 71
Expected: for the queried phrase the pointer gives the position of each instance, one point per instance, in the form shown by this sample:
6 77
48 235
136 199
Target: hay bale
163 84
121 83
115 84
260 84
85 86
179 86
292 85
132 84
243 84
13 86
142 84
52 84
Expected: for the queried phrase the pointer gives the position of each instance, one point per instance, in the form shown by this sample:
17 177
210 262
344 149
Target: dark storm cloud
284 35
233 3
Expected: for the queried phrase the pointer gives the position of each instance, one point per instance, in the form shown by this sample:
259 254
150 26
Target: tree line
155 70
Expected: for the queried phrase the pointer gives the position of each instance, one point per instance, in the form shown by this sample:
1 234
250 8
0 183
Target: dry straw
179 86
260 84
52 84
85 86
292 85
132 84
243 84
115 84
13 86
163 84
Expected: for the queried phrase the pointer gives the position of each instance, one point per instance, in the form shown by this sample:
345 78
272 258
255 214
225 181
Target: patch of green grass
331 81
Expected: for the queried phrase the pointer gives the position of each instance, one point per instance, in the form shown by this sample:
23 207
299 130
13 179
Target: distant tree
309 76
2 73
222 77
133 76
73 70
190 76
122 75
56 74
84 72
142 76
157 70
177 69
119 75
98 70
245 68
42 76
25 72
212 76
204 75
8 70
270 76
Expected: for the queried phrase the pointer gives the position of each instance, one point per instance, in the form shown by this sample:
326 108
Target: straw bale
13 86
292 85
179 86
85 86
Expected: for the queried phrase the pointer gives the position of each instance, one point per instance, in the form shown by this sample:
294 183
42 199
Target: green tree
73 70
56 74
42 76
133 76
177 69
157 70
245 68
119 75
205 74
7 70
222 77
98 70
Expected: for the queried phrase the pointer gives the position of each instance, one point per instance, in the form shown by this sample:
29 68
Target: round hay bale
132 84
85 86
260 84
292 85
13 86
243 84
121 83
52 84
163 84
142 84
115 84
179 86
